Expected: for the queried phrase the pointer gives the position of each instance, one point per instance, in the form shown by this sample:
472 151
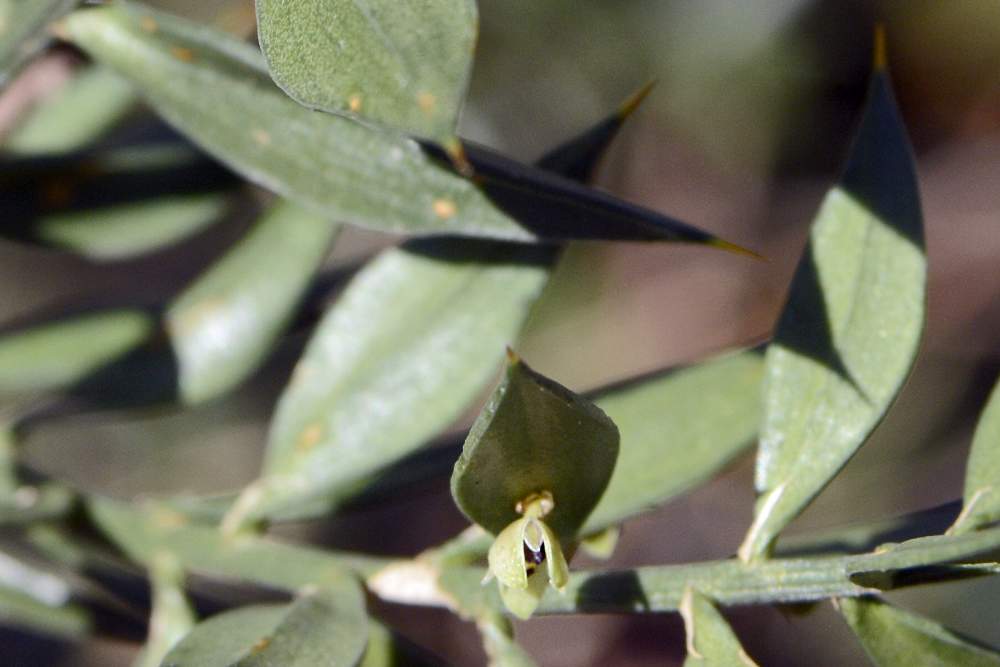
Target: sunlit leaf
324 627
849 333
22 30
710 640
217 91
412 340
982 478
79 113
403 63
896 638
225 324
677 430
534 436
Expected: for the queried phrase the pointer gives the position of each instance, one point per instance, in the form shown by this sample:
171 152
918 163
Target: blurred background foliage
754 104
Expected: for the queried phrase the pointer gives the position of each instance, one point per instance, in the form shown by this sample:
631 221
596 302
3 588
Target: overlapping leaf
324 627
893 637
402 63
22 30
225 324
710 640
217 91
413 338
849 332
982 478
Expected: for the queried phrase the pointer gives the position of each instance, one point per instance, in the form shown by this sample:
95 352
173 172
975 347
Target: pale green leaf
677 430
498 641
982 477
411 342
217 91
849 333
710 640
172 617
896 638
223 326
80 112
22 30
387 649
23 611
143 531
534 436
402 63
324 627
58 354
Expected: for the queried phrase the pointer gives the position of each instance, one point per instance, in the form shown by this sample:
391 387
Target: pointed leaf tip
880 59
722 244
629 106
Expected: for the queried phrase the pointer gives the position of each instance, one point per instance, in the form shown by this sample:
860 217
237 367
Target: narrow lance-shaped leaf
677 430
710 640
849 332
224 325
893 637
59 354
22 30
216 90
81 112
413 338
113 204
324 627
402 63
981 502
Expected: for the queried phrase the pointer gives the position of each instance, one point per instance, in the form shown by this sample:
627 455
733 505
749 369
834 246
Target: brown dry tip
634 100
880 54
512 357
733 248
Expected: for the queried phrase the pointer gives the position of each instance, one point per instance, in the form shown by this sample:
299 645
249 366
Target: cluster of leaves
360 129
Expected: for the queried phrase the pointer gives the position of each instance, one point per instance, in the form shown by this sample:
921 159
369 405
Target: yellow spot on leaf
260 645
261 137
445 208
354 103
310 437
426 102
148 23
182 53
168 519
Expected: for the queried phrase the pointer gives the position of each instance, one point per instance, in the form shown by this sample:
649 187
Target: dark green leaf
710 640
225 324
59 354
217 91
534 436
896 638
677 430
849 332
403 63
324 627
83 110
22 30
982 478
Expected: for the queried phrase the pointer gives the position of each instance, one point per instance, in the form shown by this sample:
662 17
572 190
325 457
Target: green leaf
982 477
28 504
710 640
217 91
58 354
23 611
223 326
172 617
534 436
324 627
404 64
896 638
113 204
387 649
849 333
411 342
22 30
498 641
84 109
677 430
146 530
